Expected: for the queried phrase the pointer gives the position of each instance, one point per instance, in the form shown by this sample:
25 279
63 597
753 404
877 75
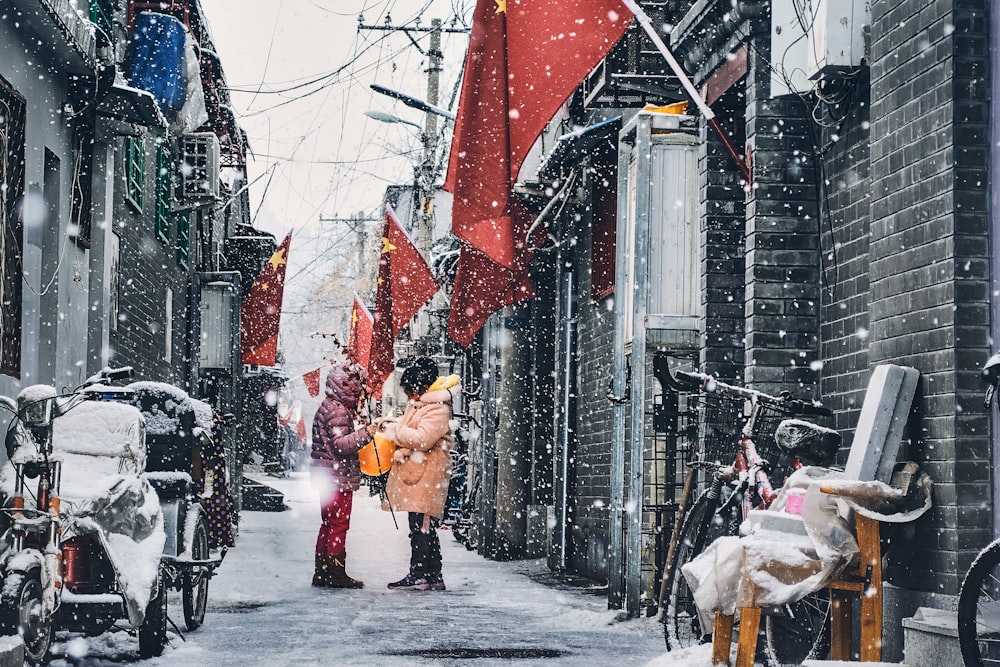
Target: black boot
321 574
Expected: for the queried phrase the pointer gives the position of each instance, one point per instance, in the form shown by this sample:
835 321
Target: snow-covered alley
263 611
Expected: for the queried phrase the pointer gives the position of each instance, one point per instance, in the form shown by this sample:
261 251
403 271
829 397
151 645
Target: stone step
11 652
930 637
845 663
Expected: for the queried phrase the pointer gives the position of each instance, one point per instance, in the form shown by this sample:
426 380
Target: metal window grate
135 164
674 431
184 238
12 147
163 190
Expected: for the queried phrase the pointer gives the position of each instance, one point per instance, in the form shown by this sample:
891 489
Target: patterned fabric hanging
218 505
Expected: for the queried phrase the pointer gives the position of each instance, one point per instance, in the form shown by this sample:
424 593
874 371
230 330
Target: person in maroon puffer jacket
339 431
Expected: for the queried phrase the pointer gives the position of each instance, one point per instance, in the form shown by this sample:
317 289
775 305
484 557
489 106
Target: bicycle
979 597
798 630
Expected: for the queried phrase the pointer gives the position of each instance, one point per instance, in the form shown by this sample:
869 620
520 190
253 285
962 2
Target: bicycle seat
814 444
991 370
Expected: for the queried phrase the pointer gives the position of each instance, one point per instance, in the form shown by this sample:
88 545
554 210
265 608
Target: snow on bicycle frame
102 445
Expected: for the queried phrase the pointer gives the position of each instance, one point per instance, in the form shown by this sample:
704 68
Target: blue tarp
155 60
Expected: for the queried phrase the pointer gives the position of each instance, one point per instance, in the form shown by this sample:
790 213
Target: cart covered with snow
182 464
111 518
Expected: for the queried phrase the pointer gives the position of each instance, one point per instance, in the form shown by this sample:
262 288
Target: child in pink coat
418 480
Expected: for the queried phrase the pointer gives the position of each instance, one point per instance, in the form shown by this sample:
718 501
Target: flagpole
705 110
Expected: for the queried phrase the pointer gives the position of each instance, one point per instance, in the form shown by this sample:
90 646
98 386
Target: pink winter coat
338 433
418 480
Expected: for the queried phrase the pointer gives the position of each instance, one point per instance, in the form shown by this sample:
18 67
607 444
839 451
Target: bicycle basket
720 420
768 418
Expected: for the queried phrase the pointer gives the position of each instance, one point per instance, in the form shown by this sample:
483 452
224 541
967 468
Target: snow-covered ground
263 611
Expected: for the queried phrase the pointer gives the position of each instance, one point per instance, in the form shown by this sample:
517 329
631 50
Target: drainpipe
994 206
564 437
619 392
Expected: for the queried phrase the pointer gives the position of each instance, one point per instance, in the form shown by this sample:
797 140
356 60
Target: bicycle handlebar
693 380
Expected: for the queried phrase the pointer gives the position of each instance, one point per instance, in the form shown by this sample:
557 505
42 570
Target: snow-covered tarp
102 448
783 556
161 59
166 415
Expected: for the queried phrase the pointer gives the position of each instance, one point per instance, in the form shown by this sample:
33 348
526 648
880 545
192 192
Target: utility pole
425 229
423 195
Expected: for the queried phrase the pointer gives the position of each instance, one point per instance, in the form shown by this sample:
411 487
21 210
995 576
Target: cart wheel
153 631
195 591
21 614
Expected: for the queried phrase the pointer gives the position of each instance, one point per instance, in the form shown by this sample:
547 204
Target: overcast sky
299 71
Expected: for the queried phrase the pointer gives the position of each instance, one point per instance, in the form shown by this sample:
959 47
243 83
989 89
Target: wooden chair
863 581
873 455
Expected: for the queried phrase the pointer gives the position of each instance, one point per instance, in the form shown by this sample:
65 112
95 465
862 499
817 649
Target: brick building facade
863 239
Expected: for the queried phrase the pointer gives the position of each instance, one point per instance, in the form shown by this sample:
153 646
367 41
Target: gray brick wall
723 214
592 459
844 196
782 238
929 262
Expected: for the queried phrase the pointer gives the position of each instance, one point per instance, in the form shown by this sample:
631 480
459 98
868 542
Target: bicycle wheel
979 610
799 631
707 520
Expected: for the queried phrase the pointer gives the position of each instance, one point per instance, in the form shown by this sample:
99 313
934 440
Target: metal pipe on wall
619 393
994 216
567 324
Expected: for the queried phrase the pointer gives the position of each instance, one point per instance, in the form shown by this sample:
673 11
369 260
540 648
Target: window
114 311
184 239
12 137
80 212
102 15
135 164
162 224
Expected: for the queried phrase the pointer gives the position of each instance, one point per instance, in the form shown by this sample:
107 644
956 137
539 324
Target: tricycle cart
178 439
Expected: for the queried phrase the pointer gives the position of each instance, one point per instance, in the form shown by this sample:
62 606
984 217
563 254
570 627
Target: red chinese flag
260 313
405 283
525 58
311 380
359 340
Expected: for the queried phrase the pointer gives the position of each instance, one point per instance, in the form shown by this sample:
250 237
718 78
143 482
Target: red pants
335 512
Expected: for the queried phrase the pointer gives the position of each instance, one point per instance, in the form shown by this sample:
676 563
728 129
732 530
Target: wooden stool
864 581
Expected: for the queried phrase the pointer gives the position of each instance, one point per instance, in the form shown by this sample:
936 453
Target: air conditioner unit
199 169
837 35
815 38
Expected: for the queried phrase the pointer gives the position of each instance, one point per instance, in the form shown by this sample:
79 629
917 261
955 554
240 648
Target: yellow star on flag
386 246
277 259
501 6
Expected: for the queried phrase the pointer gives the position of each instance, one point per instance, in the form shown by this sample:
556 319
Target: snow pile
103 429
203 415
164 420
